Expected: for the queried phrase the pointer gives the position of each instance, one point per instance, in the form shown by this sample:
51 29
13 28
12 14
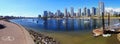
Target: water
69 31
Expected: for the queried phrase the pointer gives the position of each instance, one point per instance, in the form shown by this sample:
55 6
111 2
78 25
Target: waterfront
76 31
11 33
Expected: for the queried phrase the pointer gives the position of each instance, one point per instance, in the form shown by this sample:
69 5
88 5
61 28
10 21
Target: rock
118 36
42 39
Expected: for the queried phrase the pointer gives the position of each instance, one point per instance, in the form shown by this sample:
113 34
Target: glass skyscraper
65 13
85 11
94 11
45 14
72 11
101 8
79 12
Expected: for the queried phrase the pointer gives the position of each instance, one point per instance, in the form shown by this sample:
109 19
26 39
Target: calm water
69 31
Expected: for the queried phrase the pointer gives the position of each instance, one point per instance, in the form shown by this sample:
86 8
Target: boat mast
103 22
109 20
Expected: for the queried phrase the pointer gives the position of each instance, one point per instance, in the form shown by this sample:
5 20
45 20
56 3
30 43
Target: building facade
45 14
79 12
65 13
88 12
72 11
85 11
94 11
101 8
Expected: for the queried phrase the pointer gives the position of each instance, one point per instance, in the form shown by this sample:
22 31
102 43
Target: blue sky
34 7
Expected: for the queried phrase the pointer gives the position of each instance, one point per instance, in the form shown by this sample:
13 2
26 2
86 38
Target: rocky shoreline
41 38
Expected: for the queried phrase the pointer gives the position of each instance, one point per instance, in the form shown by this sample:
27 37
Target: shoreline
111 39
39 38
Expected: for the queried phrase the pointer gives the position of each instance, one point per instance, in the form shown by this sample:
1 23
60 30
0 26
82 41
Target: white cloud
109 9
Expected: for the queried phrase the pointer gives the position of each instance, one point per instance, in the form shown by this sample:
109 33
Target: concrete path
14 34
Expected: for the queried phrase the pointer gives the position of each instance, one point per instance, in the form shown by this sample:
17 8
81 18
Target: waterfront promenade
14 34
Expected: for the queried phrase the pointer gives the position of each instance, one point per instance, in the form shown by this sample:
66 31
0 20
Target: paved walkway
14 34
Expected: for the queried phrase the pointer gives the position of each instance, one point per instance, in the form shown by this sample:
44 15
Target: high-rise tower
58 13
101 8
94 10
65 13
88 12
79 12
85 11
72 11
45 14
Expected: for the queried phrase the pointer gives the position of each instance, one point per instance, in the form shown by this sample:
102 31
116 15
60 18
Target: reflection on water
65 24
62 24
72 31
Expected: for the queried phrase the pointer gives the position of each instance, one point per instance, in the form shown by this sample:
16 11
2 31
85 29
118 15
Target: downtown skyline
86 12
34 7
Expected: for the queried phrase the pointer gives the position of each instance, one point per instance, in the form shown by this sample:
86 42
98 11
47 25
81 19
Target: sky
31 8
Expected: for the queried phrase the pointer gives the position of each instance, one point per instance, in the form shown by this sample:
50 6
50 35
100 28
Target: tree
39 16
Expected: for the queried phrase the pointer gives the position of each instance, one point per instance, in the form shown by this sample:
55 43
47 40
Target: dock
113 29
